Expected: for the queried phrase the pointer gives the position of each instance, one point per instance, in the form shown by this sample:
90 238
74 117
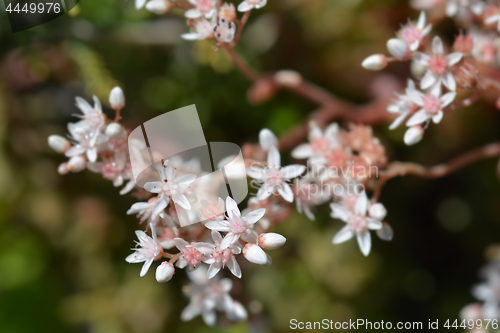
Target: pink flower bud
375 62
254 254
164 272
398 48
378 211
271 241
413 135
77 163
116 98
59 144
113 130
158 7
63 168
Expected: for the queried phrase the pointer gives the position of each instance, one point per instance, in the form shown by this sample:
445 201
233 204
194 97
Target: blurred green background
63 239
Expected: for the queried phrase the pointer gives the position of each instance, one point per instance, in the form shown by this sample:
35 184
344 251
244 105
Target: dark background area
63 239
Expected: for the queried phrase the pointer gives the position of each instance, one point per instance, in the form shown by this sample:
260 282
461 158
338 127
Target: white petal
159 206
189 178
398 121
374 224
181 200
153 187
449 81
192 13
137 207
365 242
267 139
216 236
232 207
428 80
234 267
421 58
261 4
254 215
264 192
437 46
415 96
437 117
180 244
217 225
214 269
256 172
286 192
418 118
190 311
273 158
453 58
361 205
340 212
134 258
385 233
446 99
292 171
421 20
244 6
302 151
139 3
209 317
250 236
229 240
343 235
145 267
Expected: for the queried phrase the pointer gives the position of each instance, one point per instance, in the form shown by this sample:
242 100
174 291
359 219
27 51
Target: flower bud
113 130
417 69
164 272
62 169
158 7
59 144
385 233
375 62
227 12
398 48
271 241
254 254
116 98
288 78
77 163
261 91
413 135
378 211
267 139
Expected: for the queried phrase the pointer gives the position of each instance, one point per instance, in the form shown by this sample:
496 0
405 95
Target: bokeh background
63 239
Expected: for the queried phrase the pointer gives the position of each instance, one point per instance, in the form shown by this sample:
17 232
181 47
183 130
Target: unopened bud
158 7
463 43
398 48
271 241
116 97
378 211
267 139
375 62
288 78
164 272
113 130
77 163
59 144
261 91
227 12
413 135
417 69
254 254
62 169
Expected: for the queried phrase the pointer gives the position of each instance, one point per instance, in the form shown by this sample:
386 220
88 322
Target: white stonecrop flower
148 250
224 31
221 258
431 105
358 223
192 254
201 29
414 35
247 5
170 187
403 106
320 144
144 211
267 139
235 225
201 8
274 177
207 295
439 67
489 291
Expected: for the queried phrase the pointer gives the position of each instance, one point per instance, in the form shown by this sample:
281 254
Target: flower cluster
207 19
